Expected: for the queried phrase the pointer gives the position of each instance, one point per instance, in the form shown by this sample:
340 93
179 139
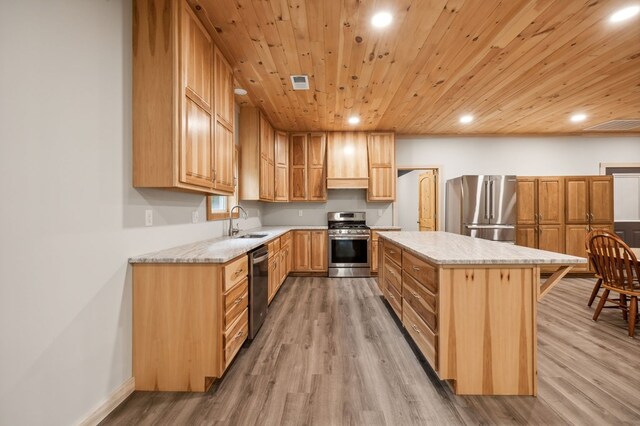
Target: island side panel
488 329
176 312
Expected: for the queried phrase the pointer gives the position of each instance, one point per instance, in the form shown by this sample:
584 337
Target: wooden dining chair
619 269
596 288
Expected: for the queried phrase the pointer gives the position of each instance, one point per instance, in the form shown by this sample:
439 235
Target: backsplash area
316 213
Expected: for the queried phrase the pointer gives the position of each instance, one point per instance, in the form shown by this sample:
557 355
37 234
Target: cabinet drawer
286 238
423 302
235 336
421 271
393 252
235 271
394 299
235 302
392 274
273 246
424 338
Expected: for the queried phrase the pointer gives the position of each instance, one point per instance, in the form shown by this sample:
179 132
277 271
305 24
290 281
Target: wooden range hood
347 160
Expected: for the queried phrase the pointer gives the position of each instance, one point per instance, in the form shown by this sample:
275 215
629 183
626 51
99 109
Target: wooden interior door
577 199
196 148
526 201
298 167
550 200
601 199
427 205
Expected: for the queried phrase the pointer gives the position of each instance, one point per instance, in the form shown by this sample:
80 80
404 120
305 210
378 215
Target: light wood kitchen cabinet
307 170
189 322
310 251
589 199
347 165
257 150
176 95
274 275
281 188
540 213
382 167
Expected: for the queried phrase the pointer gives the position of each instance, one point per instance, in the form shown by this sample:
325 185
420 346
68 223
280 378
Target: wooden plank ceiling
519 66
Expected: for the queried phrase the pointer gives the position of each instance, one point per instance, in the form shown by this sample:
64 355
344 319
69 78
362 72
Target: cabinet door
316 166
302 250
382 179
601 199
551 238
267 165
196 147
374 256
273 276
526 201
223 93
550 200
575 239
281 190
298 167
527 236
283 265
319 251
223 174
577 199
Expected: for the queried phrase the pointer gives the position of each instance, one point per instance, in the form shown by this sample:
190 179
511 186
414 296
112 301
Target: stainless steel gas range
349 244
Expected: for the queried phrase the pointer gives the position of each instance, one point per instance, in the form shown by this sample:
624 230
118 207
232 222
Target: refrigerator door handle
486 199
492 198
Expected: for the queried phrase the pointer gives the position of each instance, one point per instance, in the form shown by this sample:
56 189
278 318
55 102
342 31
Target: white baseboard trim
108 405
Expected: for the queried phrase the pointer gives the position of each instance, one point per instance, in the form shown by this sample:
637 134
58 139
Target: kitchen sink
252 236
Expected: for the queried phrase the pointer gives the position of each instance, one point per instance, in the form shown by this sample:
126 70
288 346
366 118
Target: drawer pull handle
415 268
238 300
415 295
391 296
392 252
415 328
239 333
238 272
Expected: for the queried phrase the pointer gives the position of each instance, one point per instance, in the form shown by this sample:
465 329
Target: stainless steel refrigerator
482 206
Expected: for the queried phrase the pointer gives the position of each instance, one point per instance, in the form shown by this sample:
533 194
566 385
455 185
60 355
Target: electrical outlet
195 216
300 213
148 218
380 212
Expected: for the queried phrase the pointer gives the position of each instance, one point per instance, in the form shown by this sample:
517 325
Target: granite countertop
218 250
444 248
377 227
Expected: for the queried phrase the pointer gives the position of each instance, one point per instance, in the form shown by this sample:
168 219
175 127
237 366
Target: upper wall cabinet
347 160
281 188
257 150
307 167
382 167
182 102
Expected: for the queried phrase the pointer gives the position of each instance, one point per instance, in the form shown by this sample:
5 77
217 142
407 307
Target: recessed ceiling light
624 14
576 118
239 91
381 19
354 119
466 119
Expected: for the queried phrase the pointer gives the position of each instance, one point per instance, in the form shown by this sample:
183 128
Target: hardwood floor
330 353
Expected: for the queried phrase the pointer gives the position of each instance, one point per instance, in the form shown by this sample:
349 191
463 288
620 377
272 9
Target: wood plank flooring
331 353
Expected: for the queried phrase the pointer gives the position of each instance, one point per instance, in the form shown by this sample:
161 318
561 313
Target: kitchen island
470 305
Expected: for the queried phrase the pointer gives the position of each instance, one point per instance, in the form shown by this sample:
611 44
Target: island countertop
445 248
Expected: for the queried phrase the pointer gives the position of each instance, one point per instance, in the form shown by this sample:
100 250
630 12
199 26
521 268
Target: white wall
535 156
69 218
316 213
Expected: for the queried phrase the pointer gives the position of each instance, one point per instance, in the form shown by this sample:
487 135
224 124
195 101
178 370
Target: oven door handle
349 237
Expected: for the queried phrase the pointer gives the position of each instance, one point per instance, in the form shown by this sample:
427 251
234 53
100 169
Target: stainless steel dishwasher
258 289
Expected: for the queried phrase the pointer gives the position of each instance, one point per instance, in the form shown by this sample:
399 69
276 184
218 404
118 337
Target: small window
218 205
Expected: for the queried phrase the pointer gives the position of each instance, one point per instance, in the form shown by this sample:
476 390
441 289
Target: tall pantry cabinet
182 102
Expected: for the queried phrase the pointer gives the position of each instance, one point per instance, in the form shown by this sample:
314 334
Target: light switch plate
148 217
300 213
380 212
195 216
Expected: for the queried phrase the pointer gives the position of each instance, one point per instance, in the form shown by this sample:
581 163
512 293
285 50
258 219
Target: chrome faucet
234 231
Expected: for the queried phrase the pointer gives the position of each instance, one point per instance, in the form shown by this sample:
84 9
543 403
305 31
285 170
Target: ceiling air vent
615 125
300 82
